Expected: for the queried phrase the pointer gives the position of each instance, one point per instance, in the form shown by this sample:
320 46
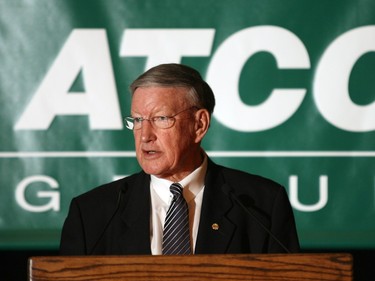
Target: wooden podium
273 267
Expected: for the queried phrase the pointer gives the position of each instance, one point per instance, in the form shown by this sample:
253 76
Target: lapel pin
215 226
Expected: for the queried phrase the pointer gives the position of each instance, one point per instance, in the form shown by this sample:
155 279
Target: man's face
171 153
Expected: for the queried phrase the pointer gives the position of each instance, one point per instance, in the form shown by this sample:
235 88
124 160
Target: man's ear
202 123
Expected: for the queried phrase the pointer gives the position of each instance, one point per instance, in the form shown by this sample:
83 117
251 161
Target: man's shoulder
235 175
111 190
240 175
243 181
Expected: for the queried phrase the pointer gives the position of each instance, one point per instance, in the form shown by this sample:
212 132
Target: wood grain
270 267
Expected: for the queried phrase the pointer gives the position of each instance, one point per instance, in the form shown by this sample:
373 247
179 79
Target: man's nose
147 131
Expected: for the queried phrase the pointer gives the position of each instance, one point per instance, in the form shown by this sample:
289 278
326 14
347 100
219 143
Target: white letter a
85 50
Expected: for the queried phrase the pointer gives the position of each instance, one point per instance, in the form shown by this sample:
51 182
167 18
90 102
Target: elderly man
181 202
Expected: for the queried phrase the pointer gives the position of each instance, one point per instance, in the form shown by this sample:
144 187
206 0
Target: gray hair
178 75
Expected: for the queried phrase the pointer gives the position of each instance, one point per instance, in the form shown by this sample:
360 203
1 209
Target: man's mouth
149 152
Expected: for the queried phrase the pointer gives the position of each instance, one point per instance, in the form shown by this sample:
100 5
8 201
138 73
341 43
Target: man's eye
161 118
137 119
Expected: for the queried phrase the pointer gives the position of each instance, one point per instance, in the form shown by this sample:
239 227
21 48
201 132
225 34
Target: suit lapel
215 229
136 216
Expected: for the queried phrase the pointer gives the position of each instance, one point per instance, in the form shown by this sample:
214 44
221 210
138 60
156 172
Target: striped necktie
176 234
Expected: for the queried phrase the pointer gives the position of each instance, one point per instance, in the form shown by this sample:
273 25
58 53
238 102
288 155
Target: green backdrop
294 83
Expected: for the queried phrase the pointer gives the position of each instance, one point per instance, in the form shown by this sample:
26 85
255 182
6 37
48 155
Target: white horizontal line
292 153
131 154
66 154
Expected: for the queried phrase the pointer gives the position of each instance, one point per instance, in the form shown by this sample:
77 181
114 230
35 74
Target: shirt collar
192 184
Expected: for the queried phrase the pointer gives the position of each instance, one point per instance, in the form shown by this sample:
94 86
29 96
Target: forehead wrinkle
157 101
149 109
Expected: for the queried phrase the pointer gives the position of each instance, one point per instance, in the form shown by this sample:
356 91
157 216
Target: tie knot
176 189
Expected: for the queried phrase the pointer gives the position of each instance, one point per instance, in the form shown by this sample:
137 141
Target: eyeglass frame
130 121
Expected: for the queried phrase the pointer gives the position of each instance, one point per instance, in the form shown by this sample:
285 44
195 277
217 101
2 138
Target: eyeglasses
161 122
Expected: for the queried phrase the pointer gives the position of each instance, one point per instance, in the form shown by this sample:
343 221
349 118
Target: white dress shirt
161 198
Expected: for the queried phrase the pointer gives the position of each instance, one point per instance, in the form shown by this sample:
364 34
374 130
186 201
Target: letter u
323 195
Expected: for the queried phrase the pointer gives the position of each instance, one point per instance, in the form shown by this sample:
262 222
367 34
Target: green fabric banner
295 91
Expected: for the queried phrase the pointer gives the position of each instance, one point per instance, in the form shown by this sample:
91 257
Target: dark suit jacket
114 219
